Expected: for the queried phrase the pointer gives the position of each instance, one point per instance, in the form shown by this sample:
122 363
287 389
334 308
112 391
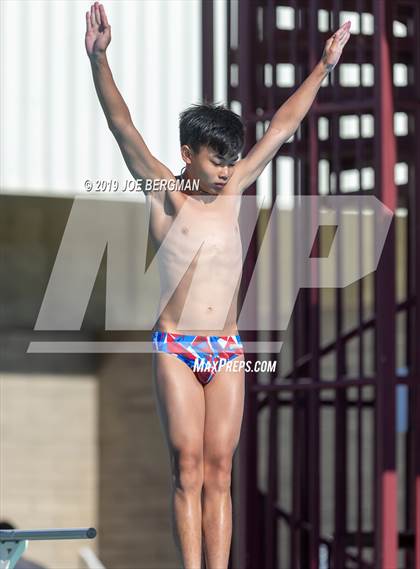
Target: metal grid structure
373 520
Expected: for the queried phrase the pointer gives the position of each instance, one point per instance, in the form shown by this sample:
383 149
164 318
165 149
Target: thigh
180 401
224 401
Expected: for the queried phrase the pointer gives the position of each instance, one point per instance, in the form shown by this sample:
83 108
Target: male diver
201 411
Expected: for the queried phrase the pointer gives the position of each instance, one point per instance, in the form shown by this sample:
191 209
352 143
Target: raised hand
334 46
98 31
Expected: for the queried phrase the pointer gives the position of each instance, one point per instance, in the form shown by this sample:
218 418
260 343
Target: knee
187 470
217 473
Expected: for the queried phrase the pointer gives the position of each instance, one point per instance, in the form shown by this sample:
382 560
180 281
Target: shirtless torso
216 285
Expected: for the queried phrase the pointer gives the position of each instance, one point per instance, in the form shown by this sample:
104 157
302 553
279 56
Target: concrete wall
49 458
80 438
134 485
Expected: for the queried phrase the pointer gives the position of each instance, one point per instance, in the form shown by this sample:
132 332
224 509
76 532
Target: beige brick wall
83 451
49 459
134 495
78 447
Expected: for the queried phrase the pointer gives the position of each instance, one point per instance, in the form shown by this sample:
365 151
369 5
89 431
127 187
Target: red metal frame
366 398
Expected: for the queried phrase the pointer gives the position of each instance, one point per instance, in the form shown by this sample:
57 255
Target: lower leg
217 524
223 417
186 519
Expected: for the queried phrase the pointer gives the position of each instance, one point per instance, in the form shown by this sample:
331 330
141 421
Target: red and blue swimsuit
194 350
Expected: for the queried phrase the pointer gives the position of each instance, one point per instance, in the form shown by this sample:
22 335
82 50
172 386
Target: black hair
212 125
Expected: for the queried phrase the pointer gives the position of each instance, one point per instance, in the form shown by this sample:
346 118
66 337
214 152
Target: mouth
221 185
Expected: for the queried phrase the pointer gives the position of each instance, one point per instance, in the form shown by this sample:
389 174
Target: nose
224 174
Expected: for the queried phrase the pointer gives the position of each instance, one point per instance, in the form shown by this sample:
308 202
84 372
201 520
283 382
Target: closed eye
230 164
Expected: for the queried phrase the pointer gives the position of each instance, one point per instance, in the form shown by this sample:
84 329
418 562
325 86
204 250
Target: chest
213 230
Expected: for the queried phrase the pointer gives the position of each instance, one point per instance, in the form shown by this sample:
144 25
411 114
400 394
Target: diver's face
211 169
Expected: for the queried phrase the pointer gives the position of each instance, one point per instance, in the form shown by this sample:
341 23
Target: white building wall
54 133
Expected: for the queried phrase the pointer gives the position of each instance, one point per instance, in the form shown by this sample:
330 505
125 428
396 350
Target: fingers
338 36
346 26
346 39
93 16
341 38
88 22
104 19
97 16
342 32
97 13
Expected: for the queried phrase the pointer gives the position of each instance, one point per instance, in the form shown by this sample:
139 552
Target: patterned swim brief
203 354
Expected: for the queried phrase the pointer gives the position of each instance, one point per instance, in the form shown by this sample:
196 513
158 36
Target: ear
186 153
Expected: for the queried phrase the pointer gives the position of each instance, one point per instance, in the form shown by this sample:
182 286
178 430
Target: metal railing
13 543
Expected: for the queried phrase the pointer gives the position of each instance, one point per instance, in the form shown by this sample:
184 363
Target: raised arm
288 117
137 156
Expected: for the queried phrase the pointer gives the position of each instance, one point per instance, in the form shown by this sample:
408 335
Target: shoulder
166 194
235 185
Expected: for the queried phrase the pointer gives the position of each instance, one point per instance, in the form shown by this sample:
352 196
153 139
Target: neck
186 175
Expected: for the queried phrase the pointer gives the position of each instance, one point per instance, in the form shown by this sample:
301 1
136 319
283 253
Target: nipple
184 230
